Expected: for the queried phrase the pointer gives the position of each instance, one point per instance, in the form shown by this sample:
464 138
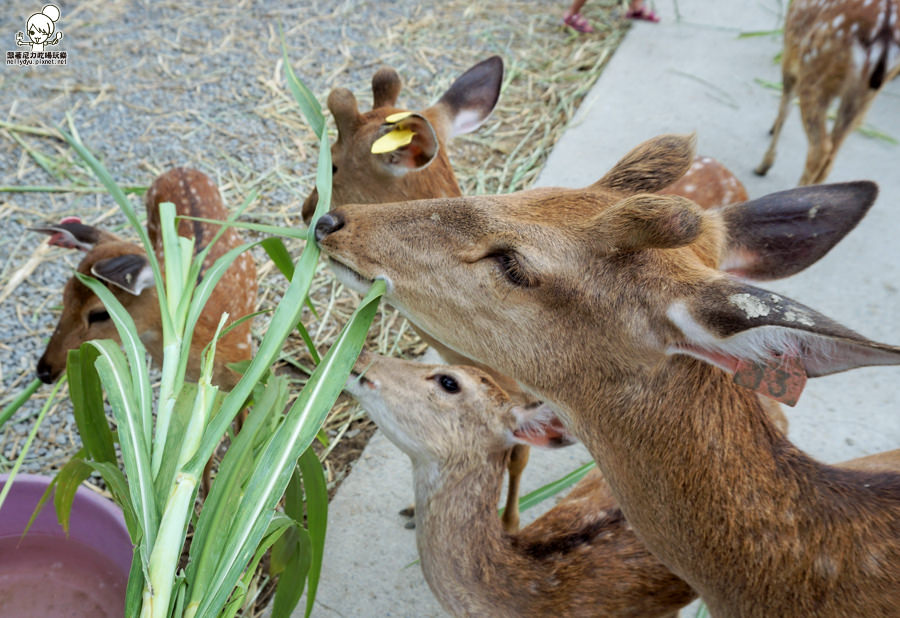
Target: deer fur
422 170
125 269
581 558
622 311
834 49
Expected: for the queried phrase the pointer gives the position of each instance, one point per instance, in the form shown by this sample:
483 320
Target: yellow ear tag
397 117
396 139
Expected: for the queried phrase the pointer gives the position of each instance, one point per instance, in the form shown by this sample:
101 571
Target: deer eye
99 315
511 268
448 383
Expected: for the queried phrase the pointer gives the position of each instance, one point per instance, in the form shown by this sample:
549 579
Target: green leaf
28 440
68 480
276 464
316 517
20 399
115 376
292 577
118 487
227 491
87 403
551 489
304 97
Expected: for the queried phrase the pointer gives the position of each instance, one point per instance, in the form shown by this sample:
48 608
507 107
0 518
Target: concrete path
676 76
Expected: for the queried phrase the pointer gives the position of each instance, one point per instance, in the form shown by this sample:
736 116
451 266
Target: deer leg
787 93
814 112
518 459
850 115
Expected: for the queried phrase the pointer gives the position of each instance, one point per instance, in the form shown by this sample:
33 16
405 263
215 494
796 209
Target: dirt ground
151 85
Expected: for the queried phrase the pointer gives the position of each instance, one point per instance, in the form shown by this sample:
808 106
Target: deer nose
45 372
327 224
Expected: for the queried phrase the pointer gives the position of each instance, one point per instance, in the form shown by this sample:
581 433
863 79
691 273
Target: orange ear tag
782 379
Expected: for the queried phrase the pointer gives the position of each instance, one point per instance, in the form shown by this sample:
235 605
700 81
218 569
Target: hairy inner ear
647 221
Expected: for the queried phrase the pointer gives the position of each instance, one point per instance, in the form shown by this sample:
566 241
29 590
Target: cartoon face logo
41 26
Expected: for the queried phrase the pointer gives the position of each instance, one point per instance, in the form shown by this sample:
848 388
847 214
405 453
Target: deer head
410 159
607 273
125 269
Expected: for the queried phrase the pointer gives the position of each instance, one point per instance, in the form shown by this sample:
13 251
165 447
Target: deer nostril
45 372
327 224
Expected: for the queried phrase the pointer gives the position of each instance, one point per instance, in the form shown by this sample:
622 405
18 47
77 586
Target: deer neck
459 535
711 486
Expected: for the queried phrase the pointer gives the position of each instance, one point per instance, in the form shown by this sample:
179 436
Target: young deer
579 559
124 267
834 49
421 169
622 311
457 425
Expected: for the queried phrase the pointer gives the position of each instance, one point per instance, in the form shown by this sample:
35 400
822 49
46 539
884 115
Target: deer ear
647 221
770 343
405 142
131 272
470 99
385 88
71 233
652 166
343 107
781 234
538 425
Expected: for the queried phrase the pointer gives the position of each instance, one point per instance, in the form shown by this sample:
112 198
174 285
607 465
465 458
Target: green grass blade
551 489
28 440
316 491
276 464
68 480
308 103
227 491
19 401
86 394
115 376
118 487
292 578
139 380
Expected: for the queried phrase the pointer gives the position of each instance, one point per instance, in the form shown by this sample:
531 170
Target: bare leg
814 111
850 115
787 93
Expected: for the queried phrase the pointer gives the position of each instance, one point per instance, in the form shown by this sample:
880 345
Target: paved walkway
676 76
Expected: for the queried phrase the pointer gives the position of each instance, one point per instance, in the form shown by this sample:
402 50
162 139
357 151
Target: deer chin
354 280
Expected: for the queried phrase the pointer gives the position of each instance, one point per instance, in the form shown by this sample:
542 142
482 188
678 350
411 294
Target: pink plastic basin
47 574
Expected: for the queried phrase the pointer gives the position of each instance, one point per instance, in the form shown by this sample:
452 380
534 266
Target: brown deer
579 559
622 311
124 267
421 169
834 49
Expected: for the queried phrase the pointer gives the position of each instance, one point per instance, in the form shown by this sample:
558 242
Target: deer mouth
349 277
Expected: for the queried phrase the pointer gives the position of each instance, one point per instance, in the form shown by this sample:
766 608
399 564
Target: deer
420 168
636 317
581 558
840 49
125 269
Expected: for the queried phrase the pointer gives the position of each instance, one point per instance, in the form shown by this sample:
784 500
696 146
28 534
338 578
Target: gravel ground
150 85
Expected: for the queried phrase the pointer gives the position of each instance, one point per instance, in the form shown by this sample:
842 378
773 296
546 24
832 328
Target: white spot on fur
435 217
812 212
750 305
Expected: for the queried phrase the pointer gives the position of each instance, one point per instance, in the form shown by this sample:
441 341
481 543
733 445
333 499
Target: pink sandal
643 13
578 22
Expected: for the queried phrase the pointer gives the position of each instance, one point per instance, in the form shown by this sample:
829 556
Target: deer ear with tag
405 142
